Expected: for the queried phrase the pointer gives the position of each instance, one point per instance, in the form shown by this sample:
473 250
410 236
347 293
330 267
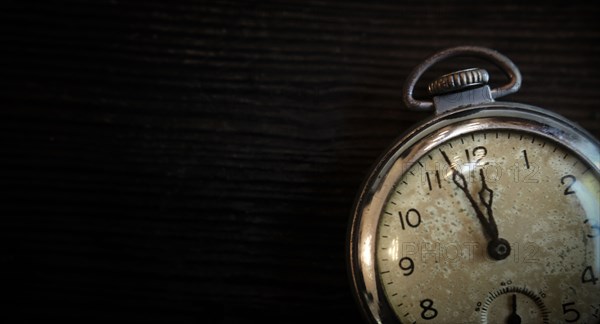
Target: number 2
570 180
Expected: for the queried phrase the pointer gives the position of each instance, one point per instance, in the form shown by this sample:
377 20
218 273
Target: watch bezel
415 144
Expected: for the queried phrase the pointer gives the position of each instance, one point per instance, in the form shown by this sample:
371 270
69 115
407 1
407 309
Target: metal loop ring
503 62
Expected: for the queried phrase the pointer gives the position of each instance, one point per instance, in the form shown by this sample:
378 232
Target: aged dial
492 226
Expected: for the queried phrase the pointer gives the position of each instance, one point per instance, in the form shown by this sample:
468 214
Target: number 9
409 268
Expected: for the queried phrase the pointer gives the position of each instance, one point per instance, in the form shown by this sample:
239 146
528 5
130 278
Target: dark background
197 161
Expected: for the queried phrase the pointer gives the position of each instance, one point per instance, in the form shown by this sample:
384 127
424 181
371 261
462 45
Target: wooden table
197 161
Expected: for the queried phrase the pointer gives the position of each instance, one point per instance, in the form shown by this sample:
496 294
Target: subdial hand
498 248
513 318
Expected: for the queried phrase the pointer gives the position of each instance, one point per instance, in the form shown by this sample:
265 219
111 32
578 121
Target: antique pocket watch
486 213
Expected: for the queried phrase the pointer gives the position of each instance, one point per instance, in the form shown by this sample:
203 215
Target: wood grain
196 161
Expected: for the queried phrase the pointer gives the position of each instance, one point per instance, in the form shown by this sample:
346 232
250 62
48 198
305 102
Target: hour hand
498 248
486 197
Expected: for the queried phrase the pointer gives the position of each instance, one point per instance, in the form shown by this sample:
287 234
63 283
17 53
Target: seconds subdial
514 305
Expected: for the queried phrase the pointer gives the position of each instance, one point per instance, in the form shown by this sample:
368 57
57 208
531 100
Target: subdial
514 305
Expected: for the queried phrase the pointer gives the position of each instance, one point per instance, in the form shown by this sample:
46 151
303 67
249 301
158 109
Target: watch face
486 214
491 226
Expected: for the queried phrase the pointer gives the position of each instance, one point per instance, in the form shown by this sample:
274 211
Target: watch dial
493 227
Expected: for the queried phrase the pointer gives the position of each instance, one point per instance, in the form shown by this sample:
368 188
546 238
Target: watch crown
459 80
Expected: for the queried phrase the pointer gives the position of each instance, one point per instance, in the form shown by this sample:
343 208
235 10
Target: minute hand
458 178
498 248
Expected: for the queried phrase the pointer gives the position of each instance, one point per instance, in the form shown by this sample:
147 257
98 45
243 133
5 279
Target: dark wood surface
196 162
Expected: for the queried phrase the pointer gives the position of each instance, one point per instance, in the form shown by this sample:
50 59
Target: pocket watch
488 212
